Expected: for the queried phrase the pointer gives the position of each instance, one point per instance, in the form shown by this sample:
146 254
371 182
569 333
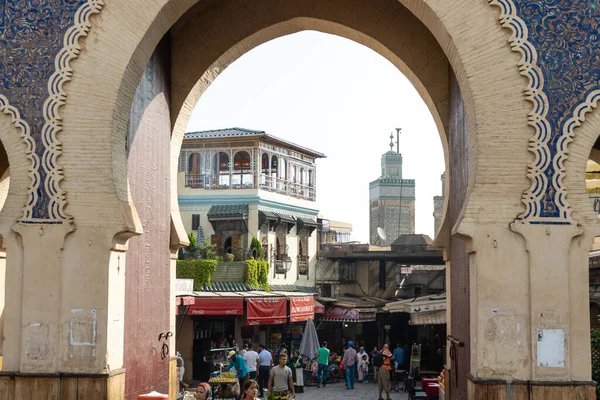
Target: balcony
303 264
246 181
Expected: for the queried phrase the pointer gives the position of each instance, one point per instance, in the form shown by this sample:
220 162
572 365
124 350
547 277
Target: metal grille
596 358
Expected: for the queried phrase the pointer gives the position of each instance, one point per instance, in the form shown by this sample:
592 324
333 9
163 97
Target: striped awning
428 318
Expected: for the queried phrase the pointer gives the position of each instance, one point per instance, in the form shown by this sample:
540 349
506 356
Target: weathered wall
458 263
147 294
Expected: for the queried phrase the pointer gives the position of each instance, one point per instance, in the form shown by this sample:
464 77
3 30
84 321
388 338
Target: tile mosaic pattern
558 41
38 40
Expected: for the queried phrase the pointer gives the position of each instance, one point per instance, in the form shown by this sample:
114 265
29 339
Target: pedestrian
322 357
384 381
349 360
280 380
251 358
399 356
237 361
265 360
364 367
244 350
359 359
250 389
375 367
203 392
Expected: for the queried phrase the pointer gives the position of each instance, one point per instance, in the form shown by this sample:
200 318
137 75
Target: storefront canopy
302 308
347 314
267 311
319 308
426 310
420 304
216 306
428 318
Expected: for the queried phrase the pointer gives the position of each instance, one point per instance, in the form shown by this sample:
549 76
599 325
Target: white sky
342 99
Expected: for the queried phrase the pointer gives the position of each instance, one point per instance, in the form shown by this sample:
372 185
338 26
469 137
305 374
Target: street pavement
362 391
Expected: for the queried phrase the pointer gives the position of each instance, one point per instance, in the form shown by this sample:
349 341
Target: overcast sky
337 97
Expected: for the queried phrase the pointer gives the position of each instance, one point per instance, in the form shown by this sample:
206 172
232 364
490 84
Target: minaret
392 198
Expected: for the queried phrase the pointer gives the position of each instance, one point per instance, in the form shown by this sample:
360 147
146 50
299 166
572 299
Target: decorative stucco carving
561 59
40 41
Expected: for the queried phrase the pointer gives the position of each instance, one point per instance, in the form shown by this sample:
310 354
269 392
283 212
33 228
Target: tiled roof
243 287
229 287
229 133
223 133
225 210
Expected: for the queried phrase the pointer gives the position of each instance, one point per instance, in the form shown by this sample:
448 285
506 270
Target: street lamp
287 262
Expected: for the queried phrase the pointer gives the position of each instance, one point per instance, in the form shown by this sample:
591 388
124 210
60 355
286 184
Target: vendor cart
223 386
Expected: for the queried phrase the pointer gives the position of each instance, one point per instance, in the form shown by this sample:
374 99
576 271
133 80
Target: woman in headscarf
359 358
204 391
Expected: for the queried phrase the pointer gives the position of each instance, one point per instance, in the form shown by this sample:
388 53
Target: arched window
223 161
265 163
241 169
194 164
274 165
311 178
302 176
241 161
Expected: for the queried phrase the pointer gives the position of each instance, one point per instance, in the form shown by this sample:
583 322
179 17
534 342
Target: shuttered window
195 221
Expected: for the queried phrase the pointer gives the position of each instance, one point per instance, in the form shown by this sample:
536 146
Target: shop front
204 325
341 324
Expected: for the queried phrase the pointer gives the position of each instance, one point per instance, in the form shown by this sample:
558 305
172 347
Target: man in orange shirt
384 380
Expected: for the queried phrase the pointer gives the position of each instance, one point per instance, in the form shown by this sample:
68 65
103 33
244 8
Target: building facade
391 202
438 206
238 184
70 212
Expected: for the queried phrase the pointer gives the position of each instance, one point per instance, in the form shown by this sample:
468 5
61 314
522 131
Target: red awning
216 306
302 308
319 308
185 300
267 311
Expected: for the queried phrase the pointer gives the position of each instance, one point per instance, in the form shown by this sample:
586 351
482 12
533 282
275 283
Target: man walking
280 380
323 361
384 381
251 358
349 360
265 361
399 356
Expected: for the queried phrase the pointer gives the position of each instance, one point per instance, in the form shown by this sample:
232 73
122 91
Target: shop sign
267 311
339 312
405 270
184 286
302 308
427 307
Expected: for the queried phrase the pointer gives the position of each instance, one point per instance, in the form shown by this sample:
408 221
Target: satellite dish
382 234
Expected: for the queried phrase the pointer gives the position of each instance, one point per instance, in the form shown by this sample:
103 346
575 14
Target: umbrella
310 341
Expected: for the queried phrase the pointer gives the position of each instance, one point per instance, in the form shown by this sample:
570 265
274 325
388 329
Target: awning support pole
186 309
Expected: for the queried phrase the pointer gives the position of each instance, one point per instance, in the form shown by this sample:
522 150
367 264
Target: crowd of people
258 374
264 372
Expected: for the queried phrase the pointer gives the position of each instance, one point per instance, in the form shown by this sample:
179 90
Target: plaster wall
147 293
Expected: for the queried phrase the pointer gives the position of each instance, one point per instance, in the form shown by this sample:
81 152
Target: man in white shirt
251 358
244 349
265 360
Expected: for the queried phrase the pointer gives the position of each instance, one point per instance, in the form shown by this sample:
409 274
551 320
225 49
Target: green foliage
256 250
228 257
208 251
198 270
257 273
